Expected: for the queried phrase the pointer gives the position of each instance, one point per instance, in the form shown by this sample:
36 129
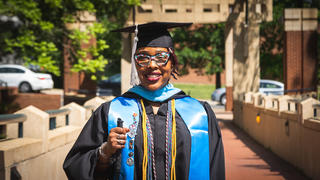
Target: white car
23 78
266 87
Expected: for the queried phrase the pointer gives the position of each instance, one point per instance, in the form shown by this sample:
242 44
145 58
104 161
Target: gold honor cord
174 141
145 142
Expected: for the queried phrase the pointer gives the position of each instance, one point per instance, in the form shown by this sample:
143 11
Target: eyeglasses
160 59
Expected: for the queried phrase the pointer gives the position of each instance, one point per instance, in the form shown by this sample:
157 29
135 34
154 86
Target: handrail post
20 130
54 113
12 125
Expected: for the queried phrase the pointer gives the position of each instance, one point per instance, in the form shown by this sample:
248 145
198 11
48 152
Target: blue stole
159 95
195 118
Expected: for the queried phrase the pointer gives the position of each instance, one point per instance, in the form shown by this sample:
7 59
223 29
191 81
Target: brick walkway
246 160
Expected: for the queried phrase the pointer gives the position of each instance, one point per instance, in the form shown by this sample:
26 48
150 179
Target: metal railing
13 118
302 90
53 116
82 91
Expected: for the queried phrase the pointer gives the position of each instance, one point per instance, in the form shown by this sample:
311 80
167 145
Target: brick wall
13 101
6 96
293 60
310 61
300 61
41 101
194 78
85 81
74 80
70 79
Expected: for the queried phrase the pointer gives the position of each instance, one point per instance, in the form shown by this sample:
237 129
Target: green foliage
202 47
89 59
114 52
38 37
271 48
134 2
318 48
272 36
271 66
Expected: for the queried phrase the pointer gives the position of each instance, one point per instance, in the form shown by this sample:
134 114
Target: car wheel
223 99
25 87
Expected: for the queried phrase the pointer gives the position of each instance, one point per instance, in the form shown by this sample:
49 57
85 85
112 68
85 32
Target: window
208 8
145 8
171 10
3 70
269 85
262 85
230 9
14 70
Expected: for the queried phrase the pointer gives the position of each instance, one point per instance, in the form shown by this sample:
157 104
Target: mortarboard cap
153 34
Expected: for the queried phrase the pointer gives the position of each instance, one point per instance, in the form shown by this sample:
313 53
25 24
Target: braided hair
175 63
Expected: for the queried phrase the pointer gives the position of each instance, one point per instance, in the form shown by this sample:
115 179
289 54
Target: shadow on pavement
274 163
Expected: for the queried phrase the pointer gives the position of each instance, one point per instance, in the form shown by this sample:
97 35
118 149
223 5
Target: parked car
110 86
266 87
25 79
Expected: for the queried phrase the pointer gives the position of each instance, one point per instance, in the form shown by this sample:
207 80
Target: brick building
300 55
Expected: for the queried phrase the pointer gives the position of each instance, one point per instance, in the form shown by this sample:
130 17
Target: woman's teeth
153 77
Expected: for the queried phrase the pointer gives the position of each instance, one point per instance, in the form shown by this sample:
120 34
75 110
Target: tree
272 38
36 36
201 47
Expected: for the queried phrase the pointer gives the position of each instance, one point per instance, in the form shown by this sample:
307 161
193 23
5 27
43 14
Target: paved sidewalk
246 160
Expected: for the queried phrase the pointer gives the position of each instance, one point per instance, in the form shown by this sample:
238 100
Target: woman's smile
153 76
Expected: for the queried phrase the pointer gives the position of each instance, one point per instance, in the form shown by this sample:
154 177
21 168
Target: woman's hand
116 140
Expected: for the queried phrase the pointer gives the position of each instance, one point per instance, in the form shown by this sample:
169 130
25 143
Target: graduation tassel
134 79
174 141
145 142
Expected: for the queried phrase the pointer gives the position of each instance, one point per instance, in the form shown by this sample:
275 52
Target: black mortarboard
153 34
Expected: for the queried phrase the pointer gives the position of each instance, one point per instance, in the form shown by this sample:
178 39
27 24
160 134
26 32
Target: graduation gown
81 161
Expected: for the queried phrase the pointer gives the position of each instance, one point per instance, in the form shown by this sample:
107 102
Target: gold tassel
174 141
145 142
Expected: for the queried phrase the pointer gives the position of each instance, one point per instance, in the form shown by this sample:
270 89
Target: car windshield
34 68
269 85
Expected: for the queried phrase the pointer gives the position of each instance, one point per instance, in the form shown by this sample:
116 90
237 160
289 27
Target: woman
165 135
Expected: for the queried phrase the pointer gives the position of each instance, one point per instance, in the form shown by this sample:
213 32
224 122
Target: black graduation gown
81 161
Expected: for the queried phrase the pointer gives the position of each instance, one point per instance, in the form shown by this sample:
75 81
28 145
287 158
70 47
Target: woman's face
154 76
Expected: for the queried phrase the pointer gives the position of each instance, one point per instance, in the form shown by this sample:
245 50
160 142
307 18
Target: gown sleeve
81 161
217 166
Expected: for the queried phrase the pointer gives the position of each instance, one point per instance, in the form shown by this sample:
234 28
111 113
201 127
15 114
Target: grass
198 91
